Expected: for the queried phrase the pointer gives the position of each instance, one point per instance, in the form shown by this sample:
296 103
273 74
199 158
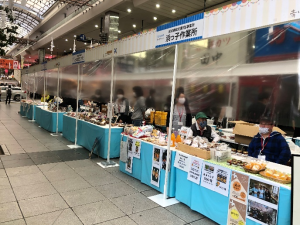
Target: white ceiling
140 10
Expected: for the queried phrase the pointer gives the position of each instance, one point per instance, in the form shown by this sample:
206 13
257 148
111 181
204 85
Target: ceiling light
173 11
48 48
66 39
134 25
157 5
119 31
75 35
64 50
96 25
253 46
155 18
84 43
70 49
129 10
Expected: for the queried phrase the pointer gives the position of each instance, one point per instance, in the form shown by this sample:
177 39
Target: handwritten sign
182 161
195 170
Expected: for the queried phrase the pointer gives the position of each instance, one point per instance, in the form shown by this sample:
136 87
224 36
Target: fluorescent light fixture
157 5
134 25
66 39
253 46
84 43
129 10
119 31
173 11
155 18
75 35
48 48
96 26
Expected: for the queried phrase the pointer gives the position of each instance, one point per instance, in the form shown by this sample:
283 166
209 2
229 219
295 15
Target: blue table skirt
47 119
215 206
88 132
26 110
142 168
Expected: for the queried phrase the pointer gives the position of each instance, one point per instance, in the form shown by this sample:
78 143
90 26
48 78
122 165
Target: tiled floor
40 185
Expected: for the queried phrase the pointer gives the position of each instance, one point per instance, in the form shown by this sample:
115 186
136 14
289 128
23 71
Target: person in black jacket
8 94
200 128
181 114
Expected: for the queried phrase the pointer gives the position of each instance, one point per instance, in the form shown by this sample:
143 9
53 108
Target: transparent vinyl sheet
151 71
243 76
95 80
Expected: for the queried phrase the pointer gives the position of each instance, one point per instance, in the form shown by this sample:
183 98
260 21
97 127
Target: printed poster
208 178
195 170
137 149
156 165
130 145
237 209
263 201
182 161
236 213
222 180
128 167
164 159
239 187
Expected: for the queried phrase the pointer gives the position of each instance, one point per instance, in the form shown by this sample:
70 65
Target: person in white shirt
200 128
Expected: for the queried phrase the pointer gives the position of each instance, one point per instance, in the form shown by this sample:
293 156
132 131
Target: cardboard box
244 132
201 153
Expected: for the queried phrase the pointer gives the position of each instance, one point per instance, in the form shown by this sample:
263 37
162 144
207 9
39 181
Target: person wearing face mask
181 113
200 128
268 144
121 107
138 114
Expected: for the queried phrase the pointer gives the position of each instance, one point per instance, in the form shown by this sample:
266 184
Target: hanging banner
156 165
263 201
182 161
195 170
223 178
6 63
250 14
187 29
137 149
208 178
78 57
237 209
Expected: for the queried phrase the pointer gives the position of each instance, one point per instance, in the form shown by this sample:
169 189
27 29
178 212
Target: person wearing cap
268 144
200 128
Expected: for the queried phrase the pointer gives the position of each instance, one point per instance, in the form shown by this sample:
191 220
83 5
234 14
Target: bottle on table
173 139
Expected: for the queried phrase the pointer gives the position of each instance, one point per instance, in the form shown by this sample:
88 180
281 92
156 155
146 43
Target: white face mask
120 96
263 130
181 100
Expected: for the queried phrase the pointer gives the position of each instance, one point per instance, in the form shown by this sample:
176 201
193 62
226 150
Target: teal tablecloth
215 206
26 110
47 119
88 132
142 169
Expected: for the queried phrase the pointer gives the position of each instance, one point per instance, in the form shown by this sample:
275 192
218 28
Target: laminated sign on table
182 161
237 209
156 165
195 170
137 149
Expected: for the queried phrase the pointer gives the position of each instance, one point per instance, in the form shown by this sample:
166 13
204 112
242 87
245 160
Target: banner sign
249 14
6 63
187 29
78 57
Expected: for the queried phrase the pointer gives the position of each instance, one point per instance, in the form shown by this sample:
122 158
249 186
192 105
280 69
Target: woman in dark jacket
181 114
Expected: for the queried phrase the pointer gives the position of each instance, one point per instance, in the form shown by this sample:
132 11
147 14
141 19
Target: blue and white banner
187 29
78 57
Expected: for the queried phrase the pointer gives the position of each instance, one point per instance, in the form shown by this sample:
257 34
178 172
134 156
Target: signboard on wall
78 57
187 29
6 63
277 43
